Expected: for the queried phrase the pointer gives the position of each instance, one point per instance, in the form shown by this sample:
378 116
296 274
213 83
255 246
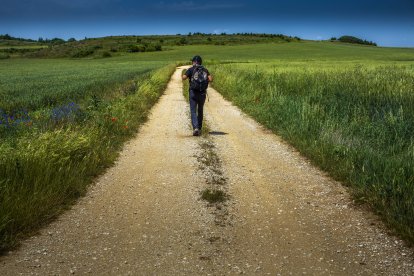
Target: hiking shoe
196 132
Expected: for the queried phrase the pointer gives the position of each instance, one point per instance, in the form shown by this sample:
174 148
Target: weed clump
213 195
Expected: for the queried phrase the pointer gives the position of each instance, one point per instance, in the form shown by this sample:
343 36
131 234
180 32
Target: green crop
355 121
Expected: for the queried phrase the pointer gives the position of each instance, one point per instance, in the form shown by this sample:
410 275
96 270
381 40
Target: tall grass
44 169
356 123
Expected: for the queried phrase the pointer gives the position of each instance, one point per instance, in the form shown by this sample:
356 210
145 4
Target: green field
34 84
349 108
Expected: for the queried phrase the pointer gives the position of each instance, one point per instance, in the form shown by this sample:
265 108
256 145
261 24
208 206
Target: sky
386 22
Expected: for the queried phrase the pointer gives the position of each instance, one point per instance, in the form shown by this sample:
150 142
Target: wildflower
126 127
68 111
14 119
113 119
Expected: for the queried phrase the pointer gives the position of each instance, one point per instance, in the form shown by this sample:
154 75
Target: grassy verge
45 169
356 123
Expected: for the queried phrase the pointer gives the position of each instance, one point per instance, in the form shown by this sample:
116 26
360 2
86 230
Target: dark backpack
199 79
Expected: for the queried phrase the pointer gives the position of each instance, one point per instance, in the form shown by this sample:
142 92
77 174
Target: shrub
82 53
56 41
4 56
135 49
183 41
149 48
6 37
106 54
355 40
158 47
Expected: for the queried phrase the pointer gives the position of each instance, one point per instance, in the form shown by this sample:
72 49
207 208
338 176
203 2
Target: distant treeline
282 36
183 40
9 37
117 45
354 40
55 40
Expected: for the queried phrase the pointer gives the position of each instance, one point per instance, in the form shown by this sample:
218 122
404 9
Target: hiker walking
199 78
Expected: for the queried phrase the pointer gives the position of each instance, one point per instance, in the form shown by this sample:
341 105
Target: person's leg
201 101
193 109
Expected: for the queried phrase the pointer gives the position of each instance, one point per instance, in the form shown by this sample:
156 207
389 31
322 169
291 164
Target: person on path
199 78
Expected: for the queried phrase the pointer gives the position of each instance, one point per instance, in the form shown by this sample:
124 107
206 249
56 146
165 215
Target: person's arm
187 74
209 76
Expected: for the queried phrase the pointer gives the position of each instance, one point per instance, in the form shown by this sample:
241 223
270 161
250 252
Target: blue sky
387 22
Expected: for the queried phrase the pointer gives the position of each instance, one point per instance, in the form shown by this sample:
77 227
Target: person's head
197 60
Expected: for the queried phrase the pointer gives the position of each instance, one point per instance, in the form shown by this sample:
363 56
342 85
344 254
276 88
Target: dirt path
145 216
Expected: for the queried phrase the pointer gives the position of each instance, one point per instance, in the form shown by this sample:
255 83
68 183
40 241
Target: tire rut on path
144 216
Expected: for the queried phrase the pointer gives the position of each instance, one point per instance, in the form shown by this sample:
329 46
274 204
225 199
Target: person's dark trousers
197 100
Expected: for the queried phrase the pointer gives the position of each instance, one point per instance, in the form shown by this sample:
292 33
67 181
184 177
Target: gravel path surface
144 216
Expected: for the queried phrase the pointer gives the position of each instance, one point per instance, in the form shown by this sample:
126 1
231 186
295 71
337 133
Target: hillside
116 45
